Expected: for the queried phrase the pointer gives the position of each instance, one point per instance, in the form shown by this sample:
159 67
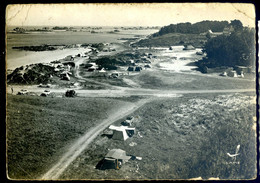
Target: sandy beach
28 57
178 59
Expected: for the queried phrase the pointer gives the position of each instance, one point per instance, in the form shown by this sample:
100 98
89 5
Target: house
114 159
121 132
228 30
56 70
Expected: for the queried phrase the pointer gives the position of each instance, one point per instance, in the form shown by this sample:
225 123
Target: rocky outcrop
32 74
35 48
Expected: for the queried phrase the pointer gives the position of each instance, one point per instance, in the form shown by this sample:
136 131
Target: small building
228 30
121 132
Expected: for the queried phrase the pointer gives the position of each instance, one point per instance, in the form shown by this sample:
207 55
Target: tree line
196 28
236 49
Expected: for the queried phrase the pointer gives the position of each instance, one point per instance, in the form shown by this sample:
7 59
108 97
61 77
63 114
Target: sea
16 58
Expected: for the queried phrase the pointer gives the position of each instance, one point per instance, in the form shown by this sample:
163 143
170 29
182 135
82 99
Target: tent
121 132
130 69
138 69
114 159
188 47
232 74
117 154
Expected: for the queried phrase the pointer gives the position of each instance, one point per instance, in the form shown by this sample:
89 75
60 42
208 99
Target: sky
138 14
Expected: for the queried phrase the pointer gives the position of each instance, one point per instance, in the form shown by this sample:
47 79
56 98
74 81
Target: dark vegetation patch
120 59
38 73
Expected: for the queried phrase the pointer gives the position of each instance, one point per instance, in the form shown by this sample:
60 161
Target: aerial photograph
131 91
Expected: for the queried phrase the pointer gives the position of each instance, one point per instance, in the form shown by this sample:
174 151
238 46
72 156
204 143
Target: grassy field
182 81
40 129
181 138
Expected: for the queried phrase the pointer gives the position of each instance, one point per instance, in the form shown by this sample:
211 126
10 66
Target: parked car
45 93
22 92
70 93
44 86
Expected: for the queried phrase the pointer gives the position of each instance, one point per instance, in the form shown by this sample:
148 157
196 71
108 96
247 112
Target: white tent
121 132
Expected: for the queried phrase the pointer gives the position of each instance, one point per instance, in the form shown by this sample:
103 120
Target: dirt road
81 144
122 91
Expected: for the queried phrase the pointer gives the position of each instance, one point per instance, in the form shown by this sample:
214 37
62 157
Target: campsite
160 96
131 102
